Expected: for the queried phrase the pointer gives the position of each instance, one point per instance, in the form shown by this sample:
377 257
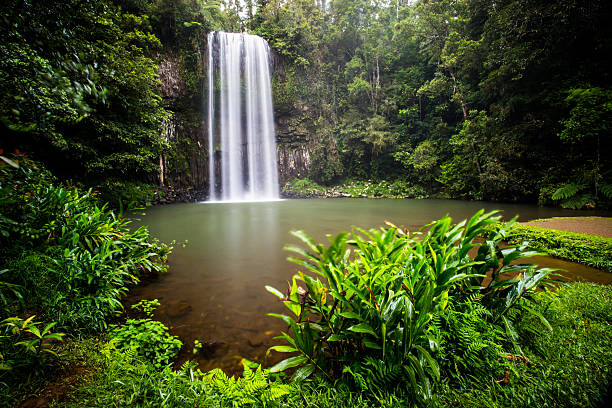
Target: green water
215 292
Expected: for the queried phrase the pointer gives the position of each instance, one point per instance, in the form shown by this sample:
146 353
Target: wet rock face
293 142
183 169
172 86
293 162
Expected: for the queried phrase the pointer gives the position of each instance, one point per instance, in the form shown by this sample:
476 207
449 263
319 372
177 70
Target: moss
586 249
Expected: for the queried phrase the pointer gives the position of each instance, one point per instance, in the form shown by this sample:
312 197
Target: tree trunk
465 117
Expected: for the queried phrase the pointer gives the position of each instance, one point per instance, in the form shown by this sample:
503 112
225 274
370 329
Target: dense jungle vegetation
499 100
495 100
101 103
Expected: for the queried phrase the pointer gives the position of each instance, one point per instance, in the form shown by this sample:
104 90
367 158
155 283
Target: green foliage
382 188
66 255
121 379
147 338
253 388
586 249
567 367
70 74
125 194
303 188
197 346
146 306
589 116
472 103
143 385
468 343
382 299
26 347
355 188
571 198
567 191
9 292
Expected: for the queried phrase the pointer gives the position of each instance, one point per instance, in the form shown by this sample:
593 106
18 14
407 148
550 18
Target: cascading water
241 139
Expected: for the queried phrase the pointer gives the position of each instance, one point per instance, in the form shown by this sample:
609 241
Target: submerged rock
257 340
177 309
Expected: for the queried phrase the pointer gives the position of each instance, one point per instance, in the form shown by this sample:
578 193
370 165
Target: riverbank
578 314
586 240
305 188
601 226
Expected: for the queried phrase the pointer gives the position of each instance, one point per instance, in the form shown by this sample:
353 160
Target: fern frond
578 201
253 388
606 190
567 191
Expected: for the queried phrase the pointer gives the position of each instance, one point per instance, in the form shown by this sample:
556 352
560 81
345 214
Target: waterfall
241 139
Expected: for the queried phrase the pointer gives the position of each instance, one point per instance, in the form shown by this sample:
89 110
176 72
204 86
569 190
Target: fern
606 190
375 376
578 201
252 388
567 191
571 196
468 342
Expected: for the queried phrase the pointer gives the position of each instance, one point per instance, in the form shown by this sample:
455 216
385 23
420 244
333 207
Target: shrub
125 194
66 255
149 339
374 308
303 187
25 346
356 188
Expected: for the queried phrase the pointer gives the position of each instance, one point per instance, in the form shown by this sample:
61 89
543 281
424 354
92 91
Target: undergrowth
66 260
567 367
403 322
355 188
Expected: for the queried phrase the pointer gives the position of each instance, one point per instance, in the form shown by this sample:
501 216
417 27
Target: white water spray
241 133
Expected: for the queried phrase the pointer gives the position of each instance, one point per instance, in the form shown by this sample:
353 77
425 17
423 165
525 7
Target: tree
79 91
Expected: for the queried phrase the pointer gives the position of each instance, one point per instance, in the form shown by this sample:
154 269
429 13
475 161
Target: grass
568 367
564 218
591 250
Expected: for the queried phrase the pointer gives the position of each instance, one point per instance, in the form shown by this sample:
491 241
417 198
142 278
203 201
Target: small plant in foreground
25 345
254 387
148 338
146 306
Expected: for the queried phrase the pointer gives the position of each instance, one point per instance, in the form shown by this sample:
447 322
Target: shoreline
597 226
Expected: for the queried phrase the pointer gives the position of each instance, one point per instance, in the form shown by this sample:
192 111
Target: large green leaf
288 363
281 349
363 328
303 372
